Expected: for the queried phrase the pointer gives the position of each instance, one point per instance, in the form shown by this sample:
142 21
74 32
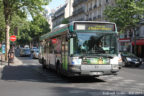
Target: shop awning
124 40
139 42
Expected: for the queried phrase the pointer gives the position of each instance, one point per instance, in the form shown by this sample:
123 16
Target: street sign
54 41
13 38
3 48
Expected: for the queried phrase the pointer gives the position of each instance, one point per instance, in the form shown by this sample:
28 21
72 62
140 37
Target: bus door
64 54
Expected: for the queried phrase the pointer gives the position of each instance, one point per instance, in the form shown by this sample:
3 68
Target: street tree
35 28
2 23
127 14
65 21
21 8
38 27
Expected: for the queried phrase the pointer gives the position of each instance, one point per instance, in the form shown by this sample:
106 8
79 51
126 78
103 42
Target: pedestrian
11 54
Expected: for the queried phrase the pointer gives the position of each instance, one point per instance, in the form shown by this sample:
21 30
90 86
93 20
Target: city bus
81 48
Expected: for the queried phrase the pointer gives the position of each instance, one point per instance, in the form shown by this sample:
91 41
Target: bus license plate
96 73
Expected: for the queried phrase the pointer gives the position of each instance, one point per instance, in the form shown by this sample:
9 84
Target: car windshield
26 50
36 50
126 54
95 43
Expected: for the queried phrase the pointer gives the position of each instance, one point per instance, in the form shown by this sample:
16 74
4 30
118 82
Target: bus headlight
76 61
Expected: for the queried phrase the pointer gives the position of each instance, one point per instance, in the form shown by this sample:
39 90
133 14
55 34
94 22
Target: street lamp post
135 47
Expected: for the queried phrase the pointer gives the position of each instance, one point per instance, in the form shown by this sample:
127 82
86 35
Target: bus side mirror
72 35
68 37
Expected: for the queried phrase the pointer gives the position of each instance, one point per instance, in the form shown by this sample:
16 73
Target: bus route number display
95 27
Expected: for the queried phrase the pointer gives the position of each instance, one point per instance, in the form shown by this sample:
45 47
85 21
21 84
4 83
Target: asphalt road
29 79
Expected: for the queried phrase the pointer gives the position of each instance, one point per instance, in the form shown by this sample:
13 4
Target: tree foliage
19 8
126 13
65 21
2 23
35 28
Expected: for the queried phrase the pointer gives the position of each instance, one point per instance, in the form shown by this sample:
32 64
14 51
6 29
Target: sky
55 3
52 5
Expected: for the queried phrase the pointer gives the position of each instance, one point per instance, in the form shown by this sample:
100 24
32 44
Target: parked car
33 48
25 52
35 53
130 59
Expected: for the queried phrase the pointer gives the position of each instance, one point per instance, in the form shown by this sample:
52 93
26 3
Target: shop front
125 44
139 47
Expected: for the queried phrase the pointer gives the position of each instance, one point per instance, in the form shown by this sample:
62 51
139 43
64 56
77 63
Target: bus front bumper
93 70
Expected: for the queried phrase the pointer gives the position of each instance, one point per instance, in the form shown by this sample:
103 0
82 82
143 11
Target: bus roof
63 27
58 29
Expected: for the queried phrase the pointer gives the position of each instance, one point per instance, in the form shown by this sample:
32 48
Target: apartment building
69 8
58 16
90 10
80 10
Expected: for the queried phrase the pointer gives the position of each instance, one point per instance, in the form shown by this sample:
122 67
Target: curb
17 62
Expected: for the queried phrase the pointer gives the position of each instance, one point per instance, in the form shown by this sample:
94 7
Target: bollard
1 59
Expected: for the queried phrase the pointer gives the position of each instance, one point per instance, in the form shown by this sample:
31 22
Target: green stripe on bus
66 63
52 33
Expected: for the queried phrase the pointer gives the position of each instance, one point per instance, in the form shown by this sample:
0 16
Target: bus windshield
95 43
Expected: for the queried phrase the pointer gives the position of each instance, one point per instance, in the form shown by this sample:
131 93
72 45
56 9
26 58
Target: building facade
58 16
81 10
90 10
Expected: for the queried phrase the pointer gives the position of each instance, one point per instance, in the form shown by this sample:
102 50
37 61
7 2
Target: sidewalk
4 63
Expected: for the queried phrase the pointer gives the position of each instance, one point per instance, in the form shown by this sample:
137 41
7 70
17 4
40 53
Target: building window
107 1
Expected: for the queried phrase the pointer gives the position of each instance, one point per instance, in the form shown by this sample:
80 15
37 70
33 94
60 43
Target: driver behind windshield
99 48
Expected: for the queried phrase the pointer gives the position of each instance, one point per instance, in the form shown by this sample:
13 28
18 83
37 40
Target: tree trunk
7 15
135 46
7 41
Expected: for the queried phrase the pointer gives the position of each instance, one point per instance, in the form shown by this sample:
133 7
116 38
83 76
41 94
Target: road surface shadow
34 73
78 79
21 73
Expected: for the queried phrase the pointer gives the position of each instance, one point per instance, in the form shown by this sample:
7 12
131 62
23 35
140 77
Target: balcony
90 9
100 5
99 16
75 12
94 18
95 6
89 19
77 2
79 11
81 19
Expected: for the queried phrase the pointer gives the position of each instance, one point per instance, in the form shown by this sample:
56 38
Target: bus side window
57 45
45 49
51 47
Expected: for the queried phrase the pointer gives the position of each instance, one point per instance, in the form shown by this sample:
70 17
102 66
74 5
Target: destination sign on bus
95 27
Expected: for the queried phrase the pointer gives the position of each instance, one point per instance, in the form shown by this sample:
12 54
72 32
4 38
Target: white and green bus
81 48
